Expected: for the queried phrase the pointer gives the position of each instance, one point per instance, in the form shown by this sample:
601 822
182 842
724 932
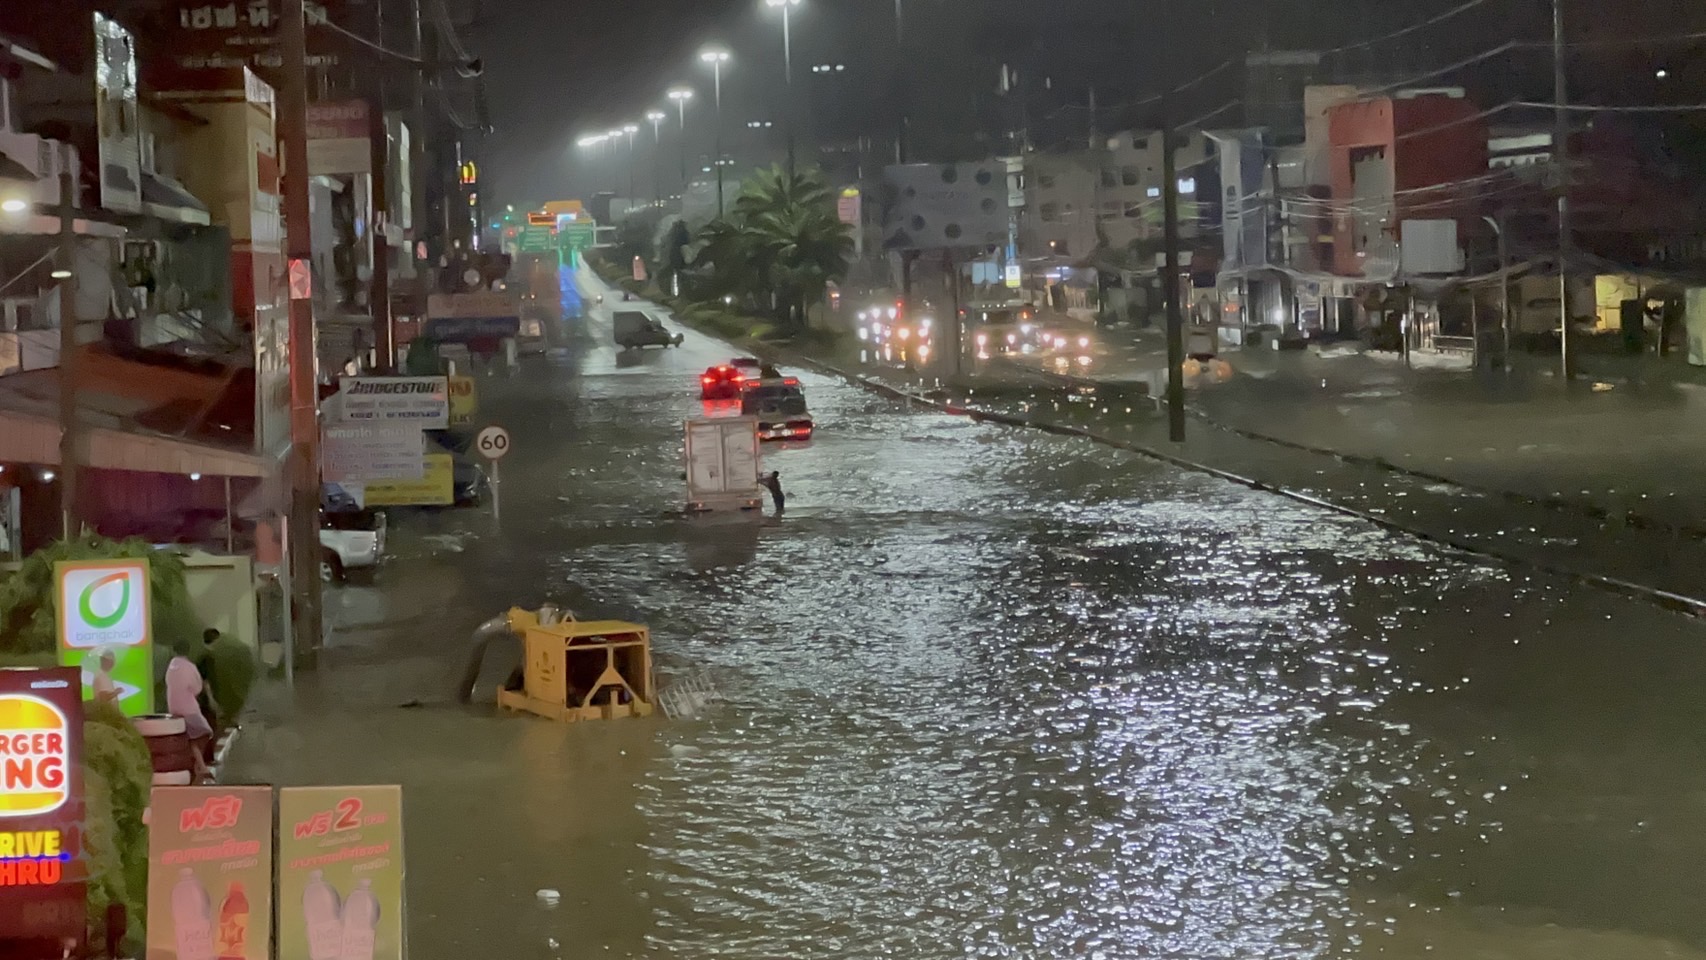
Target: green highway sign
537 240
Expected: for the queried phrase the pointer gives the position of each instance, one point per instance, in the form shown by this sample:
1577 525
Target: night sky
558 70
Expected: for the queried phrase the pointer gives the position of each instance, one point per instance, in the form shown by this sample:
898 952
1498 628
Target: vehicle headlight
1011 339
983 339
902 332
1084 343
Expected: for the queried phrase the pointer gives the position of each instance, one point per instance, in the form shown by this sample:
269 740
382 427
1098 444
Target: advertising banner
42 871
464 401
105 610
436 487
420 402
340 138
210 873
930 206
459 317
340 873
371 451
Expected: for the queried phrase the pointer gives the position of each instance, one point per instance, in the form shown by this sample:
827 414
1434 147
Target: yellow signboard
435 487
464 401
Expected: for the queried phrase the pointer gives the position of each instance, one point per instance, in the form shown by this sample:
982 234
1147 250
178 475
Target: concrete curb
1663 598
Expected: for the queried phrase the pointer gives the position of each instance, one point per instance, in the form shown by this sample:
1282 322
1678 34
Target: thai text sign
340 873
42 870
370 451
104 614
210 873
420 402
436 486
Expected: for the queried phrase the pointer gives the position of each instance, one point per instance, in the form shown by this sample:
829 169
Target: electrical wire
407 58
1404 31
1608 108
1499 50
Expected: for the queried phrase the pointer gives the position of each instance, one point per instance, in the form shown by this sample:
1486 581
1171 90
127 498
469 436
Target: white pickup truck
350 540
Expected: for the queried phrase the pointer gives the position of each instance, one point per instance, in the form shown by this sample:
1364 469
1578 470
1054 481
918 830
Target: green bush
229 669
116 759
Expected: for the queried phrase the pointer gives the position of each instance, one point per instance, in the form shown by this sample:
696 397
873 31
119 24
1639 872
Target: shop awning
27 438
167 199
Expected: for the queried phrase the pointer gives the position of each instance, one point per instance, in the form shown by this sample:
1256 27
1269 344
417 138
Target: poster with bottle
210 873
340 873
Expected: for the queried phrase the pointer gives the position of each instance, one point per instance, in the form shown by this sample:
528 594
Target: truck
634 328
721 456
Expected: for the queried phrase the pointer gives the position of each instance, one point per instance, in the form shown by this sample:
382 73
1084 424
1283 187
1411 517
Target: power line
1499 50
407 58
1608 108
1403 31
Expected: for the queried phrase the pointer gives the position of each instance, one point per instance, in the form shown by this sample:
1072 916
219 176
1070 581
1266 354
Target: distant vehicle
779 405
350 540
468 483
748 366
636 329
721 382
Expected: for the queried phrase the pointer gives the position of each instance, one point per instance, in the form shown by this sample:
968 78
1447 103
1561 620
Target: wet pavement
991 692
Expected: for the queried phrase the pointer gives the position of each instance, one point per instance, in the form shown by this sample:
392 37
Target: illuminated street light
681 95
13 205
630 129
787 72
716 57
656 117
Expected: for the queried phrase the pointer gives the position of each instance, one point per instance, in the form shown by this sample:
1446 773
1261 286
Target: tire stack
169 748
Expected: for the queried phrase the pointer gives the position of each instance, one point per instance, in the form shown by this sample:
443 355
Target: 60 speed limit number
492 442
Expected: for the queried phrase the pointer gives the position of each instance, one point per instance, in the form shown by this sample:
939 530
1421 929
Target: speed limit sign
493 443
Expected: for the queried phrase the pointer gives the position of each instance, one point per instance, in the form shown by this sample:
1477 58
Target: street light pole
1561 160
630 129
716 58
788 72
656 117
681 95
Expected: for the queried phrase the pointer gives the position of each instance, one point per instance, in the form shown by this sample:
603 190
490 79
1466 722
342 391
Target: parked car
350 540
635 329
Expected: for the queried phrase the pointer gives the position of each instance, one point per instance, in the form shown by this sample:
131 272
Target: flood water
994 693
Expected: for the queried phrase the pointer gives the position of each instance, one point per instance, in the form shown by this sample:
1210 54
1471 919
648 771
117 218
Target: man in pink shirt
183 686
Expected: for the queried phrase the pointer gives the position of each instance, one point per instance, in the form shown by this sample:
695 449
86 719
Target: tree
780 246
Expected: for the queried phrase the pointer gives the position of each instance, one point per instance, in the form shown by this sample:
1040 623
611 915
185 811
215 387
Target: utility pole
379 287
1170 276
1561 161
70 445
304 537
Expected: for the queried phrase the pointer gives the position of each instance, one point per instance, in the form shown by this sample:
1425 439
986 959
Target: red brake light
790 382
706 379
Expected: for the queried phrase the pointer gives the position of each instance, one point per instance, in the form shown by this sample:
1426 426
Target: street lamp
681 95
787 72
630 129
656 117
716 57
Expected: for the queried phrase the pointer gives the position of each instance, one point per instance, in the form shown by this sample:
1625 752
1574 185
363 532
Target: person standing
772 482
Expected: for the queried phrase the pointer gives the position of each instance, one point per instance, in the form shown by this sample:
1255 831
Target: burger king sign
41 743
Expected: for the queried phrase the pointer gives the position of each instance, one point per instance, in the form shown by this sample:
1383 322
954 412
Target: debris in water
550 898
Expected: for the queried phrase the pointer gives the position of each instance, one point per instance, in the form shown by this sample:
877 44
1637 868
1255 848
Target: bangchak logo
86 601
103 603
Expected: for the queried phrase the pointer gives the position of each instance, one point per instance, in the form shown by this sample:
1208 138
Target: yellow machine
582 669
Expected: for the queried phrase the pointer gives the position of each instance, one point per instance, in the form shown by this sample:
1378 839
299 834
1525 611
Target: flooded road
994 693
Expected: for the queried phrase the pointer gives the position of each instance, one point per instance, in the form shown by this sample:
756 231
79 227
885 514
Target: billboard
371 451
42 870
460 317
419 402
340 873
104 612
340 138
935 206
210 873
436 486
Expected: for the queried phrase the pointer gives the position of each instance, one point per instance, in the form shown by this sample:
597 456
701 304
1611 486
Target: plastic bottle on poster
361 923
192 918
234 924
322 912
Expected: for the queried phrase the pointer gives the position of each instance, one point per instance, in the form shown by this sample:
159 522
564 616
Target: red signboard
337 120
42 871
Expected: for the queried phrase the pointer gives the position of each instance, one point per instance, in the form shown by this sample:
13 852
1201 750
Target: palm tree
782 243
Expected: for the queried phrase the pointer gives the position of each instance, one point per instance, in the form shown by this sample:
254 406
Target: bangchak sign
42 871
104 611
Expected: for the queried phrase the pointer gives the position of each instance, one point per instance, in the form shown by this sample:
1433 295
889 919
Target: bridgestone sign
422 402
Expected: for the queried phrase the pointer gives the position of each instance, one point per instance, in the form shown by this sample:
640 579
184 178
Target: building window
1133 211
1045 180
1128 176
1108 178
1050 212
1140 143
